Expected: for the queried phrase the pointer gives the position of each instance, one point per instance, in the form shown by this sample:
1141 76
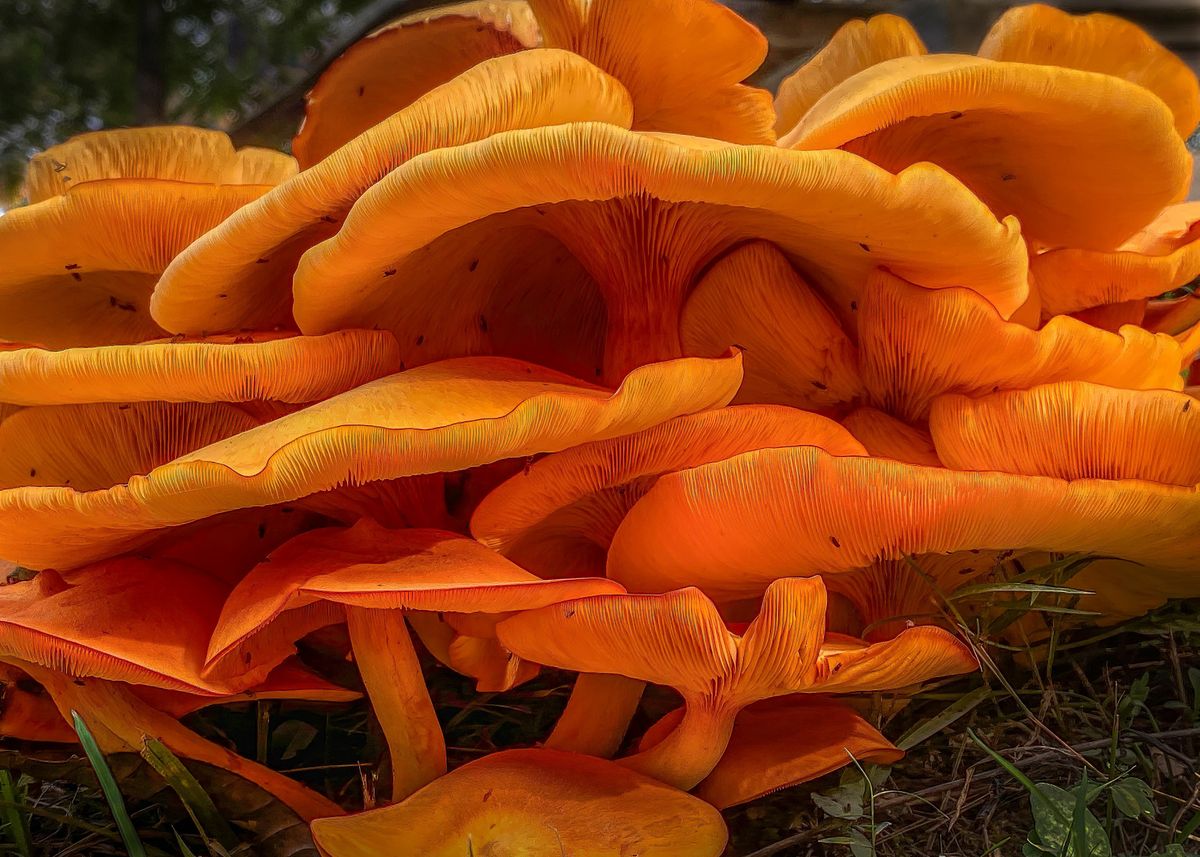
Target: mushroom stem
395 684
639 334
121 722
597 715
691 751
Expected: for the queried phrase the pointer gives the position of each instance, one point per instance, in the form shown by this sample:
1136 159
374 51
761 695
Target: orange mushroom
782 742
246 367
884 436
828 515
240 274
109 211
678 639
557 516
533 802
392 67
370 577
856 46
795 349
911 342
1008 130
176 153
1163 257
28 713
682 61
438 418
87 637
1037 33
608 232
120 722
1073 430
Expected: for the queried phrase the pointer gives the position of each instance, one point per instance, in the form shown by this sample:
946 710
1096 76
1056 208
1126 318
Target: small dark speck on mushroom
569 613
835 542
32 472
956 115
72 267
483 325
474 264
854 306
819 385
261 261
390 272
865 246
361 90
1187 406
420 339
76 276
262 531
1007 177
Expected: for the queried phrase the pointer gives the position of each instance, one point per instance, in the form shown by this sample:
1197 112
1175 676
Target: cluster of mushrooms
556 345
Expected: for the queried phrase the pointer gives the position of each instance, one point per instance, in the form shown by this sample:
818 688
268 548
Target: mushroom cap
95 623
911 342
294 590
828 514
557 516
170 152
796 352
95 447
276 366
533 802
594 192
240 274
1073 430
884 436
80 267
1037 33
1009 131
1164 256
395 65
782 742
857 45
678 639
441 417
683 62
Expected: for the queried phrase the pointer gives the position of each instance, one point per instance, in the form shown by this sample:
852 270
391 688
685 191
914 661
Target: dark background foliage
68 66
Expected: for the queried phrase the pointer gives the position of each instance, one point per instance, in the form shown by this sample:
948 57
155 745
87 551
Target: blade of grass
108 784
184 851
928 728
18 824
196 801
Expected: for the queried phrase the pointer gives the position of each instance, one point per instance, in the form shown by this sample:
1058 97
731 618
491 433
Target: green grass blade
195 799
184 851
934 725
108 784
1019 776
18 824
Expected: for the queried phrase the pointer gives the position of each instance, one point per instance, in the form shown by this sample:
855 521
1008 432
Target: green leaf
291 738
1030 588
1132 797
1064 825
108 785
14 819
843 801
196 802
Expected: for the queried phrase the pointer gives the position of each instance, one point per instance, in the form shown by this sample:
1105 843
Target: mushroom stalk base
689 754
597 715
395 684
